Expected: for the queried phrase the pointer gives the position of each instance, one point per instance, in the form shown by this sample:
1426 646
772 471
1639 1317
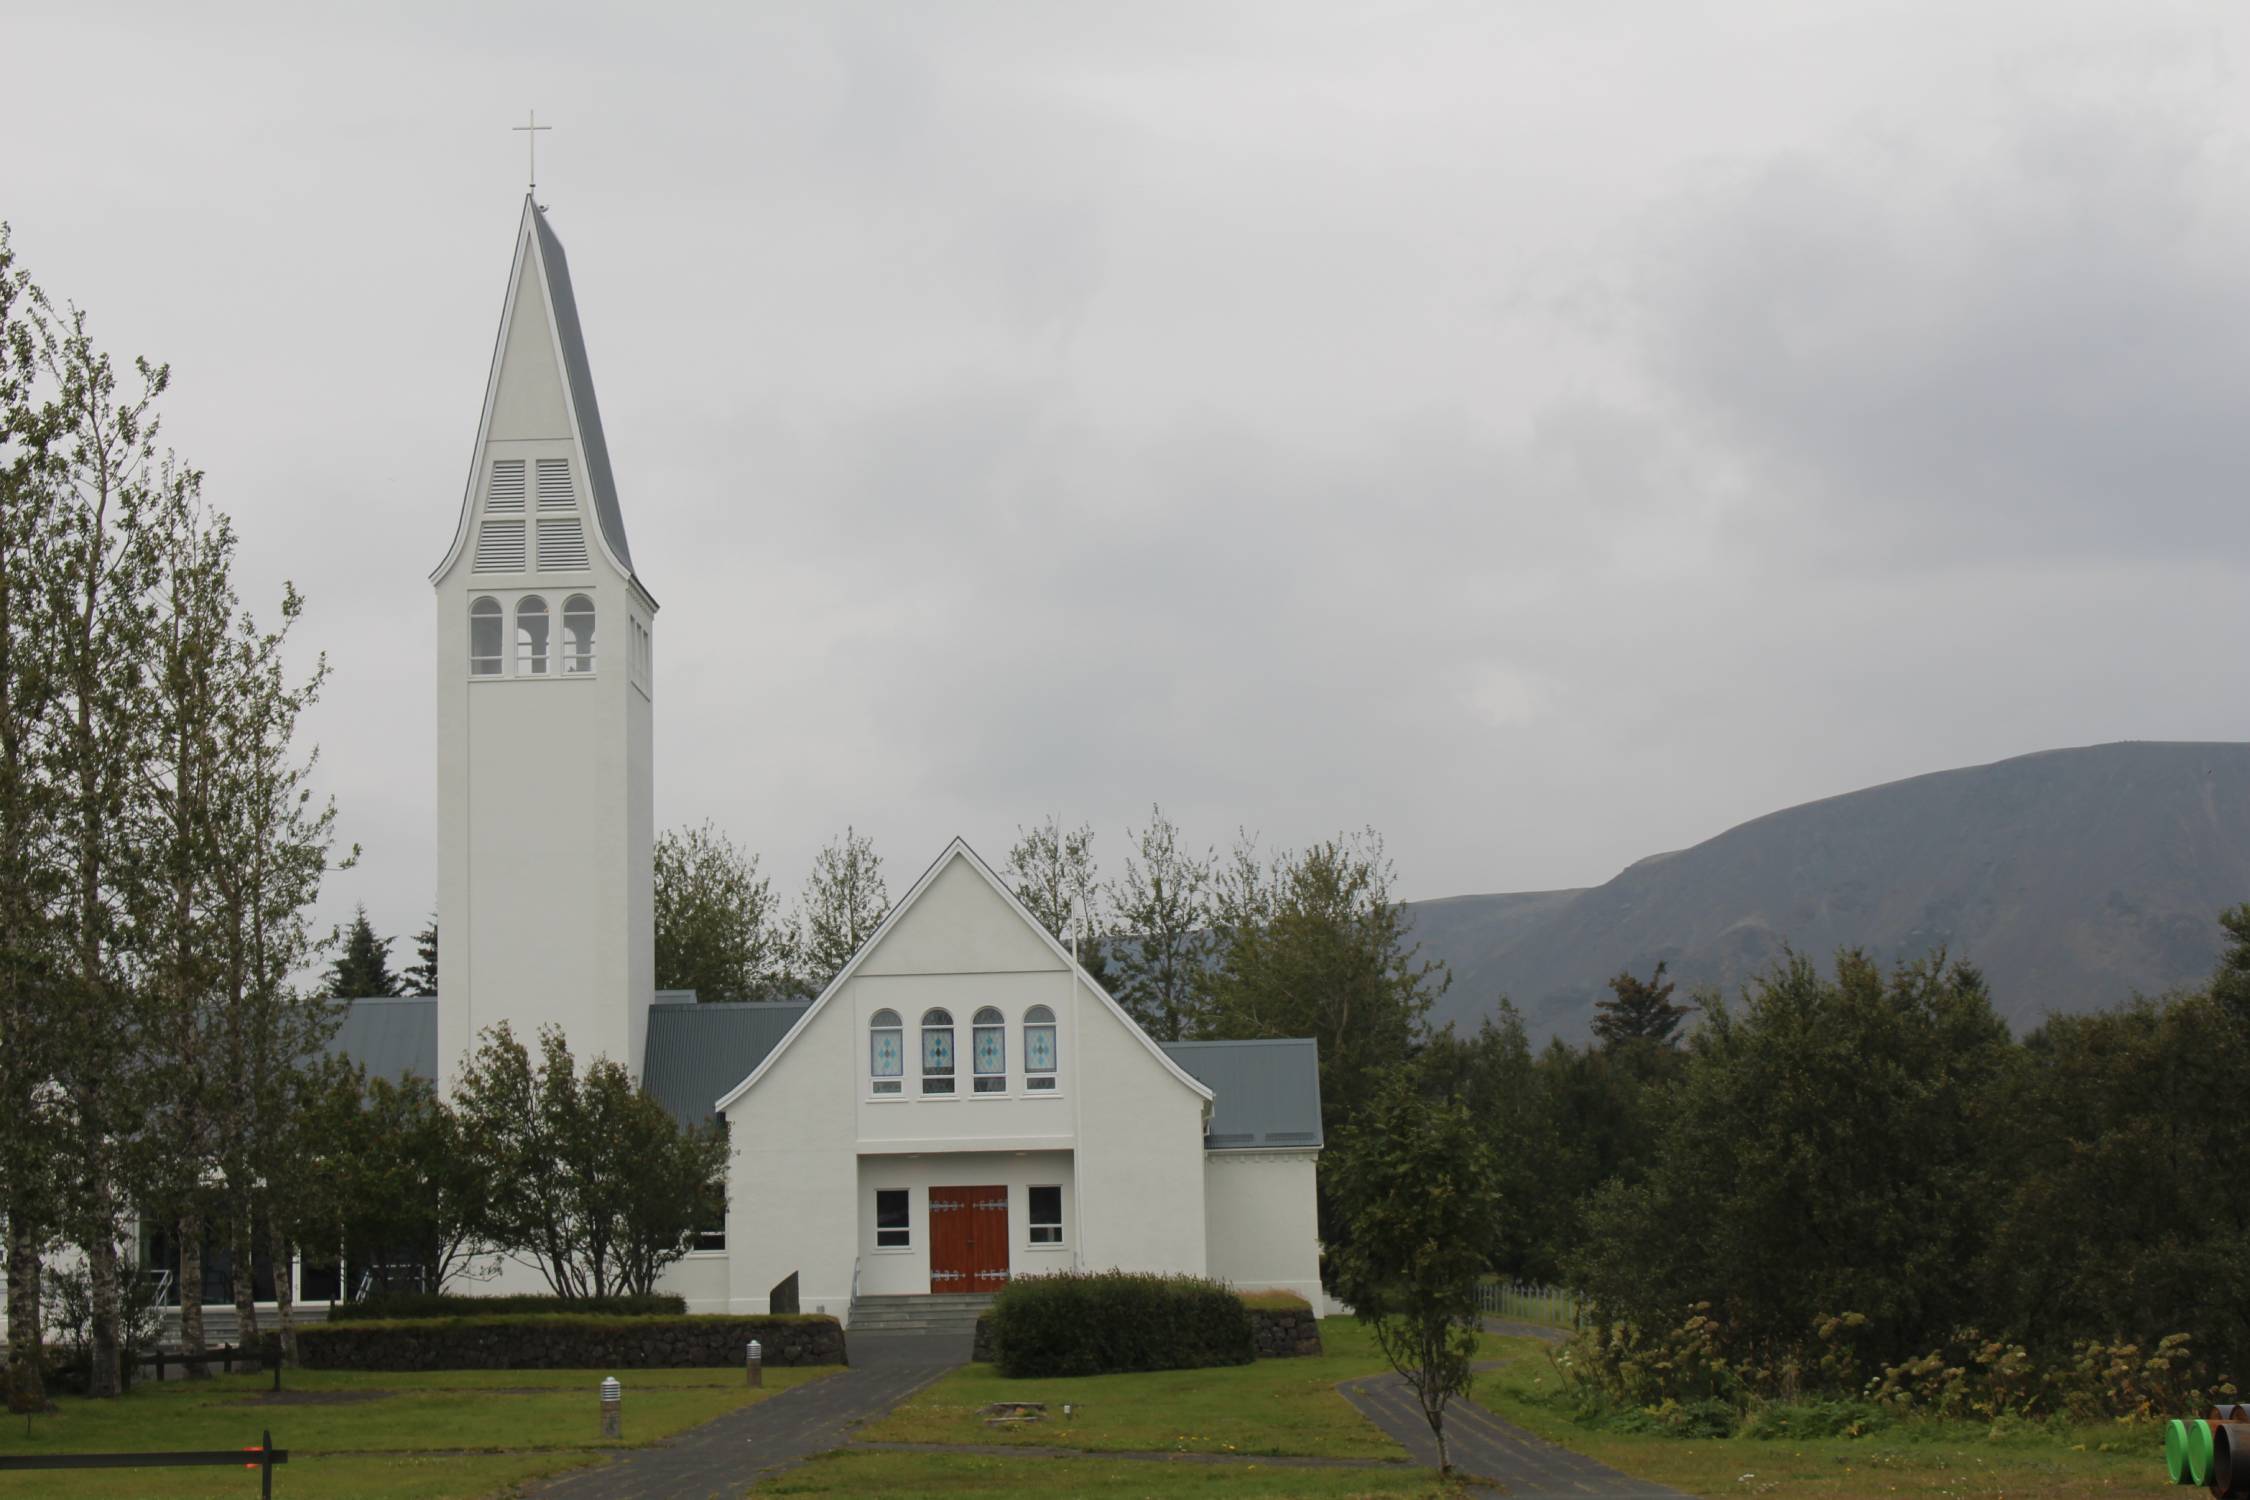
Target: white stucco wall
795 1172
1262 1214
701 1278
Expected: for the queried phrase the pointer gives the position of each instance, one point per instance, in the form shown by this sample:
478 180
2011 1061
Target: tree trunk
27 1382
245 1283
284 1295
191 1291
107 1377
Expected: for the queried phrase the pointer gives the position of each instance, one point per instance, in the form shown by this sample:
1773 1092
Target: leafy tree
1417 1185
586 1177
1825 1151
1162 930
400 1185
1051 869
2230 986
116 501
421 976
33 1132
1315 946
362 970
843 903
1494 1075
1639 1010
717 927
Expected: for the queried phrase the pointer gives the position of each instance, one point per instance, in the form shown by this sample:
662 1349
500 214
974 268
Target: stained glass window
1039 1048
886 1052
989 1051
937 1052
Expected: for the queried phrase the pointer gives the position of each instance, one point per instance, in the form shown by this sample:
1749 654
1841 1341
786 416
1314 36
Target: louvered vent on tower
500 547
562 545
554 485
506 490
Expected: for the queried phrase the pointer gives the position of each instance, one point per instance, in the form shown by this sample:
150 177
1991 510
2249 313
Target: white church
962 1105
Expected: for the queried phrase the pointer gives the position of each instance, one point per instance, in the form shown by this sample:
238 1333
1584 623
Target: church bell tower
544 726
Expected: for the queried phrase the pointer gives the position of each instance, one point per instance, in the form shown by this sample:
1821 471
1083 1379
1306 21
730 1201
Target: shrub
389 1305
1099 1323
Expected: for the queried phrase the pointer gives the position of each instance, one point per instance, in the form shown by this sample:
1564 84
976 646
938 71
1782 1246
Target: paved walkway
727 1456
1487 1447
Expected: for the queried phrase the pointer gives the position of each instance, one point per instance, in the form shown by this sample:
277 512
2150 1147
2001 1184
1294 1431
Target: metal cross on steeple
531 141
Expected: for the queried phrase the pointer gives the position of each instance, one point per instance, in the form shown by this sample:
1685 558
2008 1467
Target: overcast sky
1550 434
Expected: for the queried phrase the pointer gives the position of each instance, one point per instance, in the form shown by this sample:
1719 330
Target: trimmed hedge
1108 1322
567 1341
387 1305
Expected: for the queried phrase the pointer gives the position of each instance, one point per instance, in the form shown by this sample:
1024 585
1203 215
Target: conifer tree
1639 1010
362 968
421 976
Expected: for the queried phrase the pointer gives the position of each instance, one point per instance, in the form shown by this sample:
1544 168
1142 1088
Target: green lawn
914 1476
1275 1406
514 1425
1949 1459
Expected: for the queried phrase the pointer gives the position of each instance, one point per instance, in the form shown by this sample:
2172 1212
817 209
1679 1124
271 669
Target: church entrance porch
959 1224
968 1238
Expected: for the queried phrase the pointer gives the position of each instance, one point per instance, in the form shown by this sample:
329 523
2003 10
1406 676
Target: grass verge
1271 1407
1952 1459
377 1434
934 1476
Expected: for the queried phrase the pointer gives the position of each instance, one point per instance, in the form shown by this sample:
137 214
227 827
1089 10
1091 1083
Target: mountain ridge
2073 877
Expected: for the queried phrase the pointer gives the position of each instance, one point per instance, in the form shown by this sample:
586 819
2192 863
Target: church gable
958 924
960 920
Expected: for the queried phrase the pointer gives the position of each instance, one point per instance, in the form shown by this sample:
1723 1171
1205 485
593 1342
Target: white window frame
875 1080
499 618
978 1078
1049 1081
573 664
950 1078
522 660
905 1245
1032 1226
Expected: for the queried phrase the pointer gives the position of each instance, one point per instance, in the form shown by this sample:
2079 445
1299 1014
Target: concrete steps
946 1313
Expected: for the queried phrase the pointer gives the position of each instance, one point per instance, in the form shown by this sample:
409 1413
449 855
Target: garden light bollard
754 1360
613 1397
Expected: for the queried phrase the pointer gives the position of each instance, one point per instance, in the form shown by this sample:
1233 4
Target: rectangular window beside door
1046 1216
893 1229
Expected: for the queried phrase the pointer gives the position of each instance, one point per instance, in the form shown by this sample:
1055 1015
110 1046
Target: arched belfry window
886 1053
578 634
485 626
531 637
988 1051
1040 1053
937 1052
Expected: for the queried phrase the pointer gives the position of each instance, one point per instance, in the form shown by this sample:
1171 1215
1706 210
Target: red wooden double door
968 1239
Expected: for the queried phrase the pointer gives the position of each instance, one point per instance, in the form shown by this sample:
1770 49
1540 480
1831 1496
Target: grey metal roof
389 1038
697 1053
1268 1091
580 374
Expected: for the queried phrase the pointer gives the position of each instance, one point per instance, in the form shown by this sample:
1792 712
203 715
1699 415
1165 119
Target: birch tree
1162 923
29 1019
118 500
844 902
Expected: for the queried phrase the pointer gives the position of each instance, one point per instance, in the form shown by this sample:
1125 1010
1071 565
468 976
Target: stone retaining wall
1284 1333
568 1343
1276 1333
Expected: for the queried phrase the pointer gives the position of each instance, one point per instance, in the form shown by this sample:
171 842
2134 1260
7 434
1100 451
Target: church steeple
545 679
541 386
